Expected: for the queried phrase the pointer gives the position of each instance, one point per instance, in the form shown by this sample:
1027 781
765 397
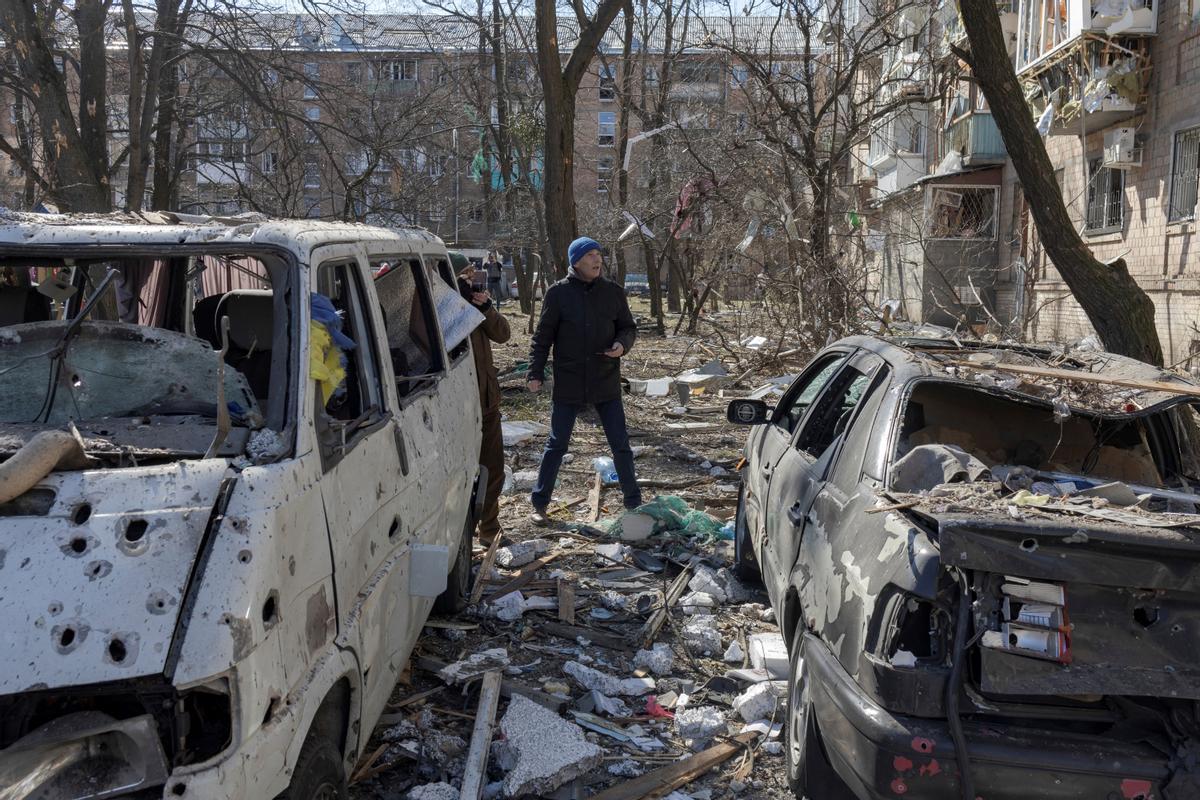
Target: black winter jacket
580 321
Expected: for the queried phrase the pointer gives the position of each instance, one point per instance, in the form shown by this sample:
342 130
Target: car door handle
401 448
796 514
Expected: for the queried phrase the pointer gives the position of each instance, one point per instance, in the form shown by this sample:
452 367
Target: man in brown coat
491 452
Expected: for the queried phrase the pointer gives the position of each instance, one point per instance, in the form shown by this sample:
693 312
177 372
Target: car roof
155 228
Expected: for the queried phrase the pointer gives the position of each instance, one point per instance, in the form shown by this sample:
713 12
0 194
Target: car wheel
458 583
319 774
745 566
809 773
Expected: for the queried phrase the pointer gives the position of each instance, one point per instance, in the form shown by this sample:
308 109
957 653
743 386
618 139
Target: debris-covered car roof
1081 376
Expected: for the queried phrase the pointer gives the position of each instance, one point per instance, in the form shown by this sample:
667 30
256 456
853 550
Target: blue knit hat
580 248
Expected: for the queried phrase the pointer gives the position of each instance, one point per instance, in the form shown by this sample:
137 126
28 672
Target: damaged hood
92 581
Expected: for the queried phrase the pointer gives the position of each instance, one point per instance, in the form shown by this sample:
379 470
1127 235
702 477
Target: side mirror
748 412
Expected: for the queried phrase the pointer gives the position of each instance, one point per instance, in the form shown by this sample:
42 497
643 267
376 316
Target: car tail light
1033 621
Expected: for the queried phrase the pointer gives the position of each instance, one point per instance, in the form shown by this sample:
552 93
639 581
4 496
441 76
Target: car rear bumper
881 755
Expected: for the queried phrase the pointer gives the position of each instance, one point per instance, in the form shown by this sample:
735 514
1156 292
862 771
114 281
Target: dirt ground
698 464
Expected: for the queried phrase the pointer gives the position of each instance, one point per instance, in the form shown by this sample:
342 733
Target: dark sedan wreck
987 561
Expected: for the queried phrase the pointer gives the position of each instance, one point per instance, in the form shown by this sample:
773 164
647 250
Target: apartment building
1124 137
941 199
385 119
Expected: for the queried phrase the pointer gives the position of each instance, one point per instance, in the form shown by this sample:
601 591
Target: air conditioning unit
1121 150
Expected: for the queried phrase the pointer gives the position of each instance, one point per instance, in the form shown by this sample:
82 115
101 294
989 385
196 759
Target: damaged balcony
977 139
1083 57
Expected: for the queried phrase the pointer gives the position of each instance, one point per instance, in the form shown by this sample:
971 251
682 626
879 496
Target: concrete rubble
659 659
768 651
697 603
701 636
625 769
540 750
700 723
599 681
733 654
433 791
762 701
522 553
705 581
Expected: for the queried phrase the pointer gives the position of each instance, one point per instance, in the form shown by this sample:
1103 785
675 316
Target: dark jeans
562 422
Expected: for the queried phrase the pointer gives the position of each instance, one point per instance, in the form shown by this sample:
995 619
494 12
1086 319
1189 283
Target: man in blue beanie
586 320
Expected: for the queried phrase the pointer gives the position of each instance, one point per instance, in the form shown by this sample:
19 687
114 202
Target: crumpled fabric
327 348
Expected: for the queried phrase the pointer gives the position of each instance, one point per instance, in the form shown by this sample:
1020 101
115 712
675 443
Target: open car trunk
1080 609
1077 529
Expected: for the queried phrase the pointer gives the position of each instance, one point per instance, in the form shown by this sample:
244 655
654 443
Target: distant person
495 277
586 322
491 450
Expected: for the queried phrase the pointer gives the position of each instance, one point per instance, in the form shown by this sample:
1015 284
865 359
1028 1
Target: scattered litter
521 553
735 590
764 727
520 432
477 664
659 659
761 700
600 613
767 651
606 705
748 675
590 678
648 562
773 748
625 769
733 654
540 750
512 606
556 687
672 513
655 709
612 553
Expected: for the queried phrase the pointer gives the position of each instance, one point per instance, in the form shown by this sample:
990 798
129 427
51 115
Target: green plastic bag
672 514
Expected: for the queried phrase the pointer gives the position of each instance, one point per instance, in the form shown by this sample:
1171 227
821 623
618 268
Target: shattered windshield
112 369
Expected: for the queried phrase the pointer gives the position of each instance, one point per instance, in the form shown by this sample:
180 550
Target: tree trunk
560 85
162 196
1119 310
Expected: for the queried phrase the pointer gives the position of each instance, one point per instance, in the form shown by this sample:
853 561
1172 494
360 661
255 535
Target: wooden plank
523 577
572 632
566 601
1084 377
475 774
674 592
665 780
485 569
594 499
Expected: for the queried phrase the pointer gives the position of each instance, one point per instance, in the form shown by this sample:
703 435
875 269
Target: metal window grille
604 173
963 212
1183 175
1105 197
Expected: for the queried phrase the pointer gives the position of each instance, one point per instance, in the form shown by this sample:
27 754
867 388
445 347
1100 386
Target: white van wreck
236 473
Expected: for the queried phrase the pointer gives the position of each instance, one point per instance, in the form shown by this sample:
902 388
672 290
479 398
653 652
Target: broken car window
344 320
804 391
403 291
833 414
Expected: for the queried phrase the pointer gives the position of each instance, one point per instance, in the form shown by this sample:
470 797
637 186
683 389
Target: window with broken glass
608 82
409 320
1184 167
1105 198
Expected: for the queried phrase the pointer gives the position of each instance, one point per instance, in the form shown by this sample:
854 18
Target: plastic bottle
605 469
